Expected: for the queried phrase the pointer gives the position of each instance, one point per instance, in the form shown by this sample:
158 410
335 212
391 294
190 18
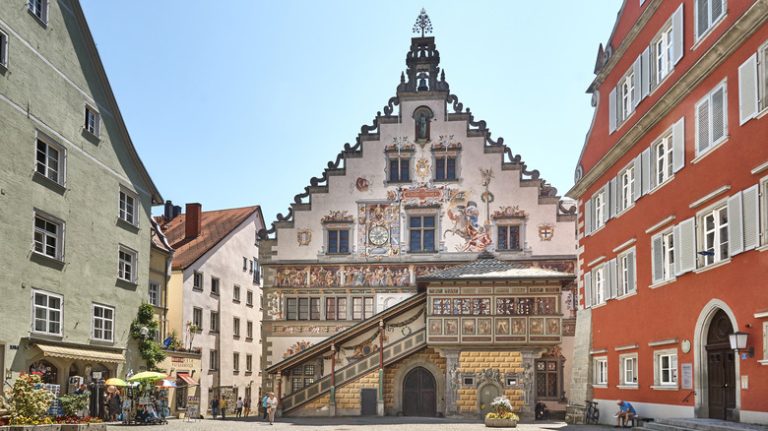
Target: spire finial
423 23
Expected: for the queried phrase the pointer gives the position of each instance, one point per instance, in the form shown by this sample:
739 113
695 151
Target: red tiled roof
215 226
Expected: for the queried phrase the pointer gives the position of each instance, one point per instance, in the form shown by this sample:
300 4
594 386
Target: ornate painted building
361 313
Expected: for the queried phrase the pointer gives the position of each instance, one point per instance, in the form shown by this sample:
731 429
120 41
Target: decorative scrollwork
299 198
534 174
392 102
366 129
497 143
458 107
564 211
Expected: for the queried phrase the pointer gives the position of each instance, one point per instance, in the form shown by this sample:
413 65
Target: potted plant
29 403
502 416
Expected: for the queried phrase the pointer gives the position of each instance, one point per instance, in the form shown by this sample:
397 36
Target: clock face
378 235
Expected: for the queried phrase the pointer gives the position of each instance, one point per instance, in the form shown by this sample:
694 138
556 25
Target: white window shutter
677 35
719 114
612 111
614 203
631 273
645 78
686 244
748 101
751 208
607 202
735 227
653 170
612 285
636 72
657 264
588 217
702 125
645 176
678 144
637 186
587 289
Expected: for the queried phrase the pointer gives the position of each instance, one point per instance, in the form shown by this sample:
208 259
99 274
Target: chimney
176 211
193 222
168 211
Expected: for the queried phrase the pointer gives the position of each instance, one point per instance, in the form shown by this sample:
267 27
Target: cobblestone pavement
348 424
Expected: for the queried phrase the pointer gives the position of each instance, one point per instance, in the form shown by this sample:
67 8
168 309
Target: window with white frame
50 161
711 119
126 264
3 48
39 9
665 364
662 54
47 309
235 362
421 234
49 236
598 275
213 360
627 94
628 372
92 121
249 298
627 178
362 307
663 251
599 209
236 294
249 330
248 363
197 280
128 209
236 327
103 322
214 321
626 269
707 13
663 163
762 88
154 294
197 317
714 235
601 371
764 214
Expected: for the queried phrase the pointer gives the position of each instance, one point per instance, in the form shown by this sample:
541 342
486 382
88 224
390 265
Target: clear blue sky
235 103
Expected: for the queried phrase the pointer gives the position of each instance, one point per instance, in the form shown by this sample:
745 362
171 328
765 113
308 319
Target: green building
75 203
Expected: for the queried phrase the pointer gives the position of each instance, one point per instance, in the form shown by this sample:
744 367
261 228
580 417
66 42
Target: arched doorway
721 367
419 393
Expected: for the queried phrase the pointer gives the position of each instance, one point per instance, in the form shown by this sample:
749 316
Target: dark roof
488 266
215 226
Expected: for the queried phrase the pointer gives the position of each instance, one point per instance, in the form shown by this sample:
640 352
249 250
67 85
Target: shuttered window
685 244
714 236
627 187
662 152
599 284
711 119
707 13
663 255
626 273
587 290
751 214
599 209
753 85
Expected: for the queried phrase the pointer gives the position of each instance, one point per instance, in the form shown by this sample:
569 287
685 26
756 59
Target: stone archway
486 393
399 379
419 393
719 313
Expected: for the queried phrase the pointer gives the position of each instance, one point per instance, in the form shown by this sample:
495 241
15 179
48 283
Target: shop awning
187 379
81 354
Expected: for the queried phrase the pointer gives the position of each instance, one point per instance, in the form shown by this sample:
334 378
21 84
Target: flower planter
500 423
46 427
96 426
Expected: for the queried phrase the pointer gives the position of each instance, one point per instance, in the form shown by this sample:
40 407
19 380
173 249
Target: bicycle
592 414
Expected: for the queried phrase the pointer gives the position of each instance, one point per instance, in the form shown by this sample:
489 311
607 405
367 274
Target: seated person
625 414
541 411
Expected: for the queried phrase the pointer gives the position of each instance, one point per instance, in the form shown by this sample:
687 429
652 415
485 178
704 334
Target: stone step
659 426
710 425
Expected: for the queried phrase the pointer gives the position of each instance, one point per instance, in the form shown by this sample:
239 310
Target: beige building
363 312
75 202
214 292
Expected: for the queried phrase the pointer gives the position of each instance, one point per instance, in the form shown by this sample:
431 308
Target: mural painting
320 276
465 216
379 227
377 276
296 348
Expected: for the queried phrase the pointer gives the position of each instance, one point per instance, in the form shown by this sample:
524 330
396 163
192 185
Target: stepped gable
487 266
422 73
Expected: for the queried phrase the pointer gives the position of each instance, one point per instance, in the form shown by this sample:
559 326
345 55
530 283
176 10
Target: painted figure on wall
422 126
465 216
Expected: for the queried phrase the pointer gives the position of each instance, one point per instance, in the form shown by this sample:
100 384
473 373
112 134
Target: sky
237 103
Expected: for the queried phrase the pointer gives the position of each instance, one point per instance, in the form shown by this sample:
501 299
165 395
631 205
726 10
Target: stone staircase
698 425
392 352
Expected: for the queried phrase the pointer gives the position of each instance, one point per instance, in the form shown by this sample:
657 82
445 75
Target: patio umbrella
114 381
147 375
166 383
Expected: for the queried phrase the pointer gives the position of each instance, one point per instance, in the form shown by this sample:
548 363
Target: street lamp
738 341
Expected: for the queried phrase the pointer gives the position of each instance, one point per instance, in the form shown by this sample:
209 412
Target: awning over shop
81 354
187 379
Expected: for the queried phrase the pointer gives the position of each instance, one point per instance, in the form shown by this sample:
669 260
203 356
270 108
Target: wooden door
368 402
419 393
721 368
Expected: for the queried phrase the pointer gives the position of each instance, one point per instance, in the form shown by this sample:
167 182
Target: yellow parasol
147 375
114 381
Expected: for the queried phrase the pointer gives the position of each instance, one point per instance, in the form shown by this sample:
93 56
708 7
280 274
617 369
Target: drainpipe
380 400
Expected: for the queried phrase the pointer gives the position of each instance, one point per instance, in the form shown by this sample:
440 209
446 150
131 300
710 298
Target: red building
672 188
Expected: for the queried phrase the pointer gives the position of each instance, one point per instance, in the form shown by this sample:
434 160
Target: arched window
48 372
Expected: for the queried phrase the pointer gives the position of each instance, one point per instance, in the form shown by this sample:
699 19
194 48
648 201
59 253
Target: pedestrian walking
264 405
215 407
223 407
239 407
247 406
271 407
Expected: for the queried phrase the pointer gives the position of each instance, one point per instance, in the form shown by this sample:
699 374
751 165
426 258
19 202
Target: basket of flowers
502 416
